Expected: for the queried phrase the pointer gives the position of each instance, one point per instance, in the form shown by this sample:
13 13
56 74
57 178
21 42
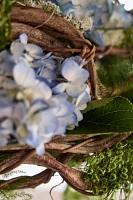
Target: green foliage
111 170
97 104
74 195
7 175
5 22
115 116
115 72
128 94
128 38
13 195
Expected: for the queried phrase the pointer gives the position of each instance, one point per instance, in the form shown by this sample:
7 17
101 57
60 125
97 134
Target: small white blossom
75 78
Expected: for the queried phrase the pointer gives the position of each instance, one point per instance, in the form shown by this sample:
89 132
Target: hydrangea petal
45 90
3 140
81 76
69 69
49 123
78 114
17 49
65 109
24 75
48 74
58 99
33 49
33 138
73 73
64 122
49 63
40 149
83 98
82 106
60 88
72 90
79 60
23 38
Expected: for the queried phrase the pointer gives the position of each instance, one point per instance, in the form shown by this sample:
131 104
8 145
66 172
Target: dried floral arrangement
49 101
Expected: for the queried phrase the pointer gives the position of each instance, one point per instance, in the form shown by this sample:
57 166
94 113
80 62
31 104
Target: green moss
111 170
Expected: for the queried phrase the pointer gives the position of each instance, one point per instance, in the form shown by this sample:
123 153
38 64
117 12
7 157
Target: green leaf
115 116
97 103
5 22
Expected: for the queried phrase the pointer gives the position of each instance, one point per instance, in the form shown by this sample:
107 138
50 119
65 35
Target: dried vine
56 35
62 38
73 177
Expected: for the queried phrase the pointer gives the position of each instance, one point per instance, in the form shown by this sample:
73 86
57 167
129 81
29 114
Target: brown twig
19 161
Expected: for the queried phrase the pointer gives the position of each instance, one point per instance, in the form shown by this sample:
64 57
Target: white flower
24 75
27 52
83 98
75 78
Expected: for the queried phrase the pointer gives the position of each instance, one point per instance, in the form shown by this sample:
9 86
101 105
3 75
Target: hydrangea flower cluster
83 23
41 95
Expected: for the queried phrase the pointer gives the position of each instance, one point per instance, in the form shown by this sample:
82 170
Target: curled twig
50 192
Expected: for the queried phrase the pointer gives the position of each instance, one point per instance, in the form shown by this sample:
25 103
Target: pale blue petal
83 98
19 112
82 88
69 69
7 124
49 63
65 109
79 60
81 76
17 49
33 138
72 90
82 106
36 64
61 128
60 88
6 108
45 90
49 123
23 38
48 74
24 75
46 56
33 49
36 107
28 58
78 114
64 122
88 90
58 99
40 149
73 73
71 119
3 140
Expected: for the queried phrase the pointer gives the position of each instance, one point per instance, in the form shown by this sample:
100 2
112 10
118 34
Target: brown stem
19 161
73 176
110 50
36 16
63 143
11 159
38 37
